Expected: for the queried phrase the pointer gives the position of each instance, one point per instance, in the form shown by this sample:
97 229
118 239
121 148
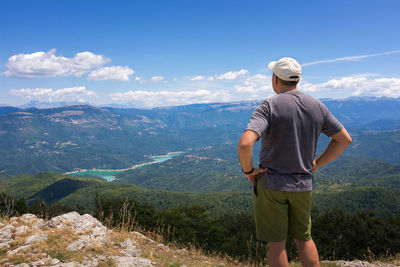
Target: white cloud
198 78
156 79
230 75
358 85
255 84
169 98
368 84
308 87
47 94
116 73
350 58
47 64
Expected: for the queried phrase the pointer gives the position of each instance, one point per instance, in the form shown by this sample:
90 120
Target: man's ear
274 79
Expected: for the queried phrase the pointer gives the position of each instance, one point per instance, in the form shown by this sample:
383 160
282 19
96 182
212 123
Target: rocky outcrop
66 240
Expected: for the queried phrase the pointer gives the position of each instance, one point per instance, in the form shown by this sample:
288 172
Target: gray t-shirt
289 125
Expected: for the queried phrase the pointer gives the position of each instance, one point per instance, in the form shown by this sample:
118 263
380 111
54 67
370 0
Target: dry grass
108 263
174 255
322 264
152 247
56 244
388 259
60 238
3 219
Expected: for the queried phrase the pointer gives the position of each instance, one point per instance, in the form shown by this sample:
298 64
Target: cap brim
271 65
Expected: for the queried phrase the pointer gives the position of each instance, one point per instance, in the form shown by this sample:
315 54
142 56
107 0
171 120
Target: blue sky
157 53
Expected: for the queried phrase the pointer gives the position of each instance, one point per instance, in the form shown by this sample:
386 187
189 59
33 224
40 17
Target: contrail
350 58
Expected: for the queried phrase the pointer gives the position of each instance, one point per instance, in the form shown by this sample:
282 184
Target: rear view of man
289 125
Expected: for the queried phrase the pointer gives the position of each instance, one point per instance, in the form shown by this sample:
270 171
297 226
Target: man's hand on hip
315 166
252 176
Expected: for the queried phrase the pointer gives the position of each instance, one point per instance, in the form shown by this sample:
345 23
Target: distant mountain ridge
82 136
366 112
43 105
355 111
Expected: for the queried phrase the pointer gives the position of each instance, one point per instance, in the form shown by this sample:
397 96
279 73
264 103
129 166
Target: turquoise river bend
109 174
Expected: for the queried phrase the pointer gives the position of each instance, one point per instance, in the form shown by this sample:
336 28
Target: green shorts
279 213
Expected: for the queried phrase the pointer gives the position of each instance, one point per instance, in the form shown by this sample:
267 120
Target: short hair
288 83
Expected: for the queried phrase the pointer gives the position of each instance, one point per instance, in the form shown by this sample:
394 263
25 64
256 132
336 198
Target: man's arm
245 150
336 147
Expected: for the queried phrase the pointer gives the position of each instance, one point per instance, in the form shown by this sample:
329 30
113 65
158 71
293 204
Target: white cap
286 69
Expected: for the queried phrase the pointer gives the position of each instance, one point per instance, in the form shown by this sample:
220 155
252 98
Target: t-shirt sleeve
259 120
331 125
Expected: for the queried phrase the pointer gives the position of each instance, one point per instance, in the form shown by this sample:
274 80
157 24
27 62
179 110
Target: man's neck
284 90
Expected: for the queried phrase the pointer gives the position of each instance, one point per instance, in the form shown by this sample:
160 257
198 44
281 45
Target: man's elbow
247 140
345 142
244 144
349 140
342 137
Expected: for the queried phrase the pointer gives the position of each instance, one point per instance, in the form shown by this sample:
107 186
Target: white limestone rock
129 249
14 221
70 264
358 263
35 238
6 236
78 245
86 241
38 224
89 230
7 232
131 261
162 246
17 250
80 224
91 262
28 218
5 245
49 261
21 230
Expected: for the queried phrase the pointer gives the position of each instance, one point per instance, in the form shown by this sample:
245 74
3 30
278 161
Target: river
109 174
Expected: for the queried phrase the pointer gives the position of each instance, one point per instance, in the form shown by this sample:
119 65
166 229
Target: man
289 125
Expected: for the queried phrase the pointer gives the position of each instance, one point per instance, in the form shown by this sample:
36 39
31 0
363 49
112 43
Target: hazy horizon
43 105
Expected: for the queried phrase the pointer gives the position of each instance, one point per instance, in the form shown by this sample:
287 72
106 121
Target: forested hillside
81 192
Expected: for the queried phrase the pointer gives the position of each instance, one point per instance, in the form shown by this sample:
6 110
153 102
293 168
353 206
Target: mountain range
67 138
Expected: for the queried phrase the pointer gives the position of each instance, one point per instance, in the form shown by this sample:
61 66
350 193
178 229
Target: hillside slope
75 191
